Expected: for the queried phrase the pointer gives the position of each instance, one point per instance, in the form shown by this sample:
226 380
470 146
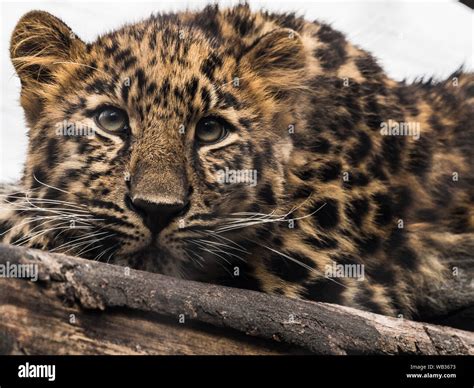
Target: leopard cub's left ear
42 48
39 43
279 58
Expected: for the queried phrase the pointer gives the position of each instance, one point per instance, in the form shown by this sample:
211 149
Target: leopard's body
305 110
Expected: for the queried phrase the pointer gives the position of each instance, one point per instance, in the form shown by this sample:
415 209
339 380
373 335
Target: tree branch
124 311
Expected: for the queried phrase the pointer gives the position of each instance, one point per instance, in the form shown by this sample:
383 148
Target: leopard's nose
157 213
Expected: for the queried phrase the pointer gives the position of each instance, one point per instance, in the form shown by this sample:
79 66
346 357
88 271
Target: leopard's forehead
170 44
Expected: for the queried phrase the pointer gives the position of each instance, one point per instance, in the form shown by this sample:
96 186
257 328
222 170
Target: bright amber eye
112 119
210 130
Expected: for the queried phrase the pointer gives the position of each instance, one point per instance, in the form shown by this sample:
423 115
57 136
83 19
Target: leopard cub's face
156 139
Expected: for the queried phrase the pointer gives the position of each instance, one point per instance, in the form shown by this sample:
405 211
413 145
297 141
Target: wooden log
35 321
84 307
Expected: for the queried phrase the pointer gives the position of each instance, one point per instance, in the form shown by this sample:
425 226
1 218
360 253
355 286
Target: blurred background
410 39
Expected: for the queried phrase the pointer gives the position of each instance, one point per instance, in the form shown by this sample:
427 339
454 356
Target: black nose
156 215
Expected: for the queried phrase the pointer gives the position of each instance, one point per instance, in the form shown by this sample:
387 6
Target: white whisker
49 186
297 262
80 238
244 224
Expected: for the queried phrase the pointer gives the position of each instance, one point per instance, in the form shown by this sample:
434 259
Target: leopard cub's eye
211 130
112 119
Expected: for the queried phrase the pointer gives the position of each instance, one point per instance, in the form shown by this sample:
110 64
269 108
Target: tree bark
85 307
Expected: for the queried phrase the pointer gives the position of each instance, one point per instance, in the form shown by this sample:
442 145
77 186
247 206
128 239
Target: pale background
410 39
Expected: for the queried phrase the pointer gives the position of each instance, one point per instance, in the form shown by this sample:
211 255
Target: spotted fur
304 107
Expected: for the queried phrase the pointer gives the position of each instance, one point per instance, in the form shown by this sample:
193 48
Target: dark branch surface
117 310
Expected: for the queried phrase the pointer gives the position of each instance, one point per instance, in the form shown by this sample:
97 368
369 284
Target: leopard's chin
150 257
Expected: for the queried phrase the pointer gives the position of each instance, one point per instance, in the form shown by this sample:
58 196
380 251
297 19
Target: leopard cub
253 149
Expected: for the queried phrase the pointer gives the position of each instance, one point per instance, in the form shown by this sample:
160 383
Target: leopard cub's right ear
277 60
39 43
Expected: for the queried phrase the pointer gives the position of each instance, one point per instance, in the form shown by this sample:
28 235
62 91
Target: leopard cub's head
157 141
